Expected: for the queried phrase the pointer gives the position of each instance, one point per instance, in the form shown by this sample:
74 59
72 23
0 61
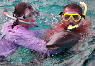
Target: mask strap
61 13
20 17
24 22
29 23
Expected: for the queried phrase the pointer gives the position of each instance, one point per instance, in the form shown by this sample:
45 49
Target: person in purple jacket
17 32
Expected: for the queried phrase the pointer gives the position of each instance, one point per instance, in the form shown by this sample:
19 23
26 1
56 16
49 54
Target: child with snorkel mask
73 20
16 32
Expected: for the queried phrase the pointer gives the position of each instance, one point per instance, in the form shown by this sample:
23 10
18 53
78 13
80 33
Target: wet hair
20 10
73 6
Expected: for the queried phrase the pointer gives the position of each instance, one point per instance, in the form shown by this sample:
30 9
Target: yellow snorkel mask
75 17
72 16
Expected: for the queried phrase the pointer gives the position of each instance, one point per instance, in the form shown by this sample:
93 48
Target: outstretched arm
28 42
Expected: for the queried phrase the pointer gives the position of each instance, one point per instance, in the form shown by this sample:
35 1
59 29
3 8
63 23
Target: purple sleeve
32 43
29 42
6 48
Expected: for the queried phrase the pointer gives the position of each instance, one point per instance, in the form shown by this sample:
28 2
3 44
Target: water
49 15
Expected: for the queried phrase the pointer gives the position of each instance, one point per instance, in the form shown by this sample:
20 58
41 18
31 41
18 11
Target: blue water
49 14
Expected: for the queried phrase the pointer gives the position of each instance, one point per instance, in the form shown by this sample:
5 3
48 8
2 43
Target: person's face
28 17
71 11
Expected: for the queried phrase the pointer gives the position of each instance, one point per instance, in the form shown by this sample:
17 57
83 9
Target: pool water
84 54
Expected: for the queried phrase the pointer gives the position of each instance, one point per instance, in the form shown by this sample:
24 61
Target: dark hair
73 6
19 11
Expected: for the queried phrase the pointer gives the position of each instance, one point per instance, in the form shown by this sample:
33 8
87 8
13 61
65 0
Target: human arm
27 41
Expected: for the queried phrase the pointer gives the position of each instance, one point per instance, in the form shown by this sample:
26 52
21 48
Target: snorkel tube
70 27
6 13
32 23
83 4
